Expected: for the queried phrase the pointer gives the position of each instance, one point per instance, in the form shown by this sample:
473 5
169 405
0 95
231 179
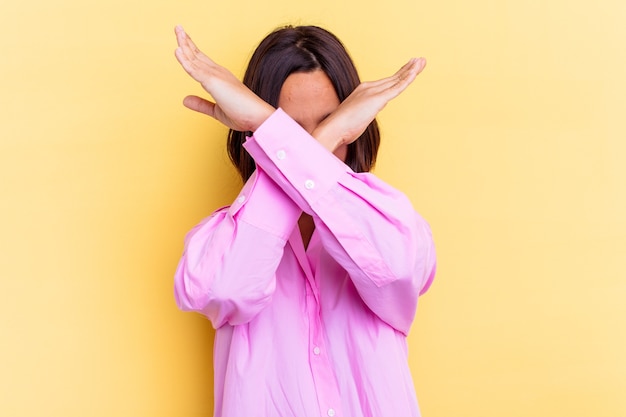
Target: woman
311 276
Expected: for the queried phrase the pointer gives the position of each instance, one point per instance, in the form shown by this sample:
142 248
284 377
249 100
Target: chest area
311 272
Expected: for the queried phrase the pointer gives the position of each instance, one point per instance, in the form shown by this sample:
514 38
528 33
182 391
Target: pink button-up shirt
308 332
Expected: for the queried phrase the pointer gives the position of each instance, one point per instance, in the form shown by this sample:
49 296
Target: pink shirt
315 332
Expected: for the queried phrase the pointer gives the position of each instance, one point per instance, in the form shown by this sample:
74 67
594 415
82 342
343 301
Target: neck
306 225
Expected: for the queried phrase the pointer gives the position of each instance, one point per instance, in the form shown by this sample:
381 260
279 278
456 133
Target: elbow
426 262
395 304
423 257
188 291
221 300
412 266
225 308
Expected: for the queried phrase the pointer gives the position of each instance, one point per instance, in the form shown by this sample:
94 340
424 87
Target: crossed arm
237 107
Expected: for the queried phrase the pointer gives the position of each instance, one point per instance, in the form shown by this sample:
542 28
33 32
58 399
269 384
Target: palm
235 105
355 113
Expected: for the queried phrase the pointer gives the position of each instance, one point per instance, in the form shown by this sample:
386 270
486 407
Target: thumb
200 105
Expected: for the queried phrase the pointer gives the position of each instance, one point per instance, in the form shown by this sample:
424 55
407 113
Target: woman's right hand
236 106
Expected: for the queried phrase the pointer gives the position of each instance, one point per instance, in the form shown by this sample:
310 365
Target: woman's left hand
357 111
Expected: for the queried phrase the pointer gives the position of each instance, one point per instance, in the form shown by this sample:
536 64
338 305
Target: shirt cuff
294 159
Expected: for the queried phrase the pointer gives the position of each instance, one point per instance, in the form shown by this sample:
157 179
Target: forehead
308 97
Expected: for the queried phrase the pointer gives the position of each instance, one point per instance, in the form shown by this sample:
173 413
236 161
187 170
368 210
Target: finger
406 73
391 87
187 64
411 70
180 34
183 42
191 63
182 52
405 76
189 48
200 105
421 62
418 65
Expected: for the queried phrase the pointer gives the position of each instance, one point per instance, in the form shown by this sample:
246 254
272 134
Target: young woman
311 277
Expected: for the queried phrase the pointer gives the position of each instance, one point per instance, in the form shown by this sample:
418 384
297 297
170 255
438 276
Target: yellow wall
512 143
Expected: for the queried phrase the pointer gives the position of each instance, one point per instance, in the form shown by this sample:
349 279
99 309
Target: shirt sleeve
227 271
369 227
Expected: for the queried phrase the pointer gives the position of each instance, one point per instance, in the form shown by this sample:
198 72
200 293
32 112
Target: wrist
264 113
327 138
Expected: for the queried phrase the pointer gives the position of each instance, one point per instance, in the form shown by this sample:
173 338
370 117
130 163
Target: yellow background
511 143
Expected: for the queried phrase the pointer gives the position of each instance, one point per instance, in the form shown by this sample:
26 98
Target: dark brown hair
302 49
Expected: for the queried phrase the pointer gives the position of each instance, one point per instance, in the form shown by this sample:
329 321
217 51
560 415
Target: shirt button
281 154
309 184
316 350
241 199
330 412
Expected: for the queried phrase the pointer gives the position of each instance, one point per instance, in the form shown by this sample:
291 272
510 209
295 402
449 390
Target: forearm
227 269
370 228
